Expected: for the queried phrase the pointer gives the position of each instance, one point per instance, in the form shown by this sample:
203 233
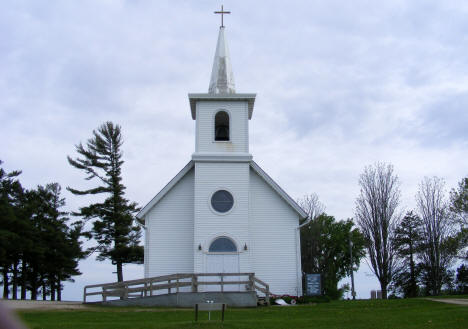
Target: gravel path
450 301
40 305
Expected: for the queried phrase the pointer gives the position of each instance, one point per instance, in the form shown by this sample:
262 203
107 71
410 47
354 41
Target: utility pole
353 293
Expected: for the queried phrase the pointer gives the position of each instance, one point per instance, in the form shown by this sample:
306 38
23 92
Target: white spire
222 78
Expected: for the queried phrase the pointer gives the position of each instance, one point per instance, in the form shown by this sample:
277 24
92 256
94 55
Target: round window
222 201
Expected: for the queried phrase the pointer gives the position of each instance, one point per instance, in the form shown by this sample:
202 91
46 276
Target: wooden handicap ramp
182 290
189 299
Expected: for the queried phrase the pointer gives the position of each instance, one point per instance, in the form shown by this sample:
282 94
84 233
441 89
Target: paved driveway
457 301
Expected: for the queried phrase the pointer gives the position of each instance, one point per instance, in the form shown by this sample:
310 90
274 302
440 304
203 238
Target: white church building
222 213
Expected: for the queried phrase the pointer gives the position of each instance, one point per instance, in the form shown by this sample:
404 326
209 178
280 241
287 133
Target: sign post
313 284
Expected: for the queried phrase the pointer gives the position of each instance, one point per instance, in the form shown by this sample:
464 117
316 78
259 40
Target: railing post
169 288
84 295
194 283
222 283
177 285
146 290
267 295
126 292
104 296
251 282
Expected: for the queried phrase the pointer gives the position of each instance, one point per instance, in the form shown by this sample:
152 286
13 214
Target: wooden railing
169 284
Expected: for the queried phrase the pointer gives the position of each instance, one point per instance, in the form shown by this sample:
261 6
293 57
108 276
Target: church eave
293 204
194 97
164 191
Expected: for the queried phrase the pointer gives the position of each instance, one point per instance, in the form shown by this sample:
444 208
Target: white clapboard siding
274 233
169 233
210 177
238 126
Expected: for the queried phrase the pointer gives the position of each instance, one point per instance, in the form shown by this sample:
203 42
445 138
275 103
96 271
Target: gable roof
165 189
278 189
256 168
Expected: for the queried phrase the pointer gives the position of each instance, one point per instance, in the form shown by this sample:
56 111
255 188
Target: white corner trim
165 190
278 189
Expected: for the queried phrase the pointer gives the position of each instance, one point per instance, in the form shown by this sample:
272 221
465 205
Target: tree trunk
413 291
52 289
15 280
44 290
59 290
34 285
383 288
119 272
5 282
23 279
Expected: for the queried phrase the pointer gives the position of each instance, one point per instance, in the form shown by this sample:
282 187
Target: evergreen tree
61 240
10 236
407 243
114 228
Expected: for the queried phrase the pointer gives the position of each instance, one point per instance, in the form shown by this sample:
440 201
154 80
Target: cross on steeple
222 12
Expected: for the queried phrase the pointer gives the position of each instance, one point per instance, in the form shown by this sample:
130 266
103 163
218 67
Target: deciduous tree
440 243
377 215
325 250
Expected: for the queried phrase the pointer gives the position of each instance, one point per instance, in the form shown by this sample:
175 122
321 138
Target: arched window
222 244
221 126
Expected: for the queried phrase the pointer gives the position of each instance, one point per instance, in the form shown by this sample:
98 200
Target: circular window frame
214 210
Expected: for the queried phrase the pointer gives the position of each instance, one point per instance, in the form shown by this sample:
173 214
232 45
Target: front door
222 257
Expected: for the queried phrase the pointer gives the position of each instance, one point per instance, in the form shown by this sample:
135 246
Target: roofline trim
165 190
293 204
194 97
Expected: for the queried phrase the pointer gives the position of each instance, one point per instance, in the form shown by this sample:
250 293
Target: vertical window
221 126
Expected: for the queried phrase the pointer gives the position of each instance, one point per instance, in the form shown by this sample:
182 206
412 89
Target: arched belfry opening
221 126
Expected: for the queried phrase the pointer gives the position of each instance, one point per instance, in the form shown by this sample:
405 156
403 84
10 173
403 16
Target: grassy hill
409 313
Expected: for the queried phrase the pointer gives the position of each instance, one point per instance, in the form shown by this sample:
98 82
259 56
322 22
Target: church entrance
223 257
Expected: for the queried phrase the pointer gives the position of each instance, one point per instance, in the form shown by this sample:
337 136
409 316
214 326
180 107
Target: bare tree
376 214
440 245
312 206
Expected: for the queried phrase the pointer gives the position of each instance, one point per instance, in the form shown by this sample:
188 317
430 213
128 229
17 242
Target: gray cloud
340 85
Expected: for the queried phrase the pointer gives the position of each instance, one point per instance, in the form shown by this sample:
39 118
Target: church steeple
222 115
222 78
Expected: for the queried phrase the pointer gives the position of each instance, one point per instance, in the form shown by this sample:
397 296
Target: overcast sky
340 85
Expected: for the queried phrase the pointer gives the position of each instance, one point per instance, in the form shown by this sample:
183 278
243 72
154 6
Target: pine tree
407 243
61 239
114 228
9 235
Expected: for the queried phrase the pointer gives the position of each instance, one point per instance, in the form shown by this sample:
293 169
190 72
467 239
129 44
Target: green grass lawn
411 313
